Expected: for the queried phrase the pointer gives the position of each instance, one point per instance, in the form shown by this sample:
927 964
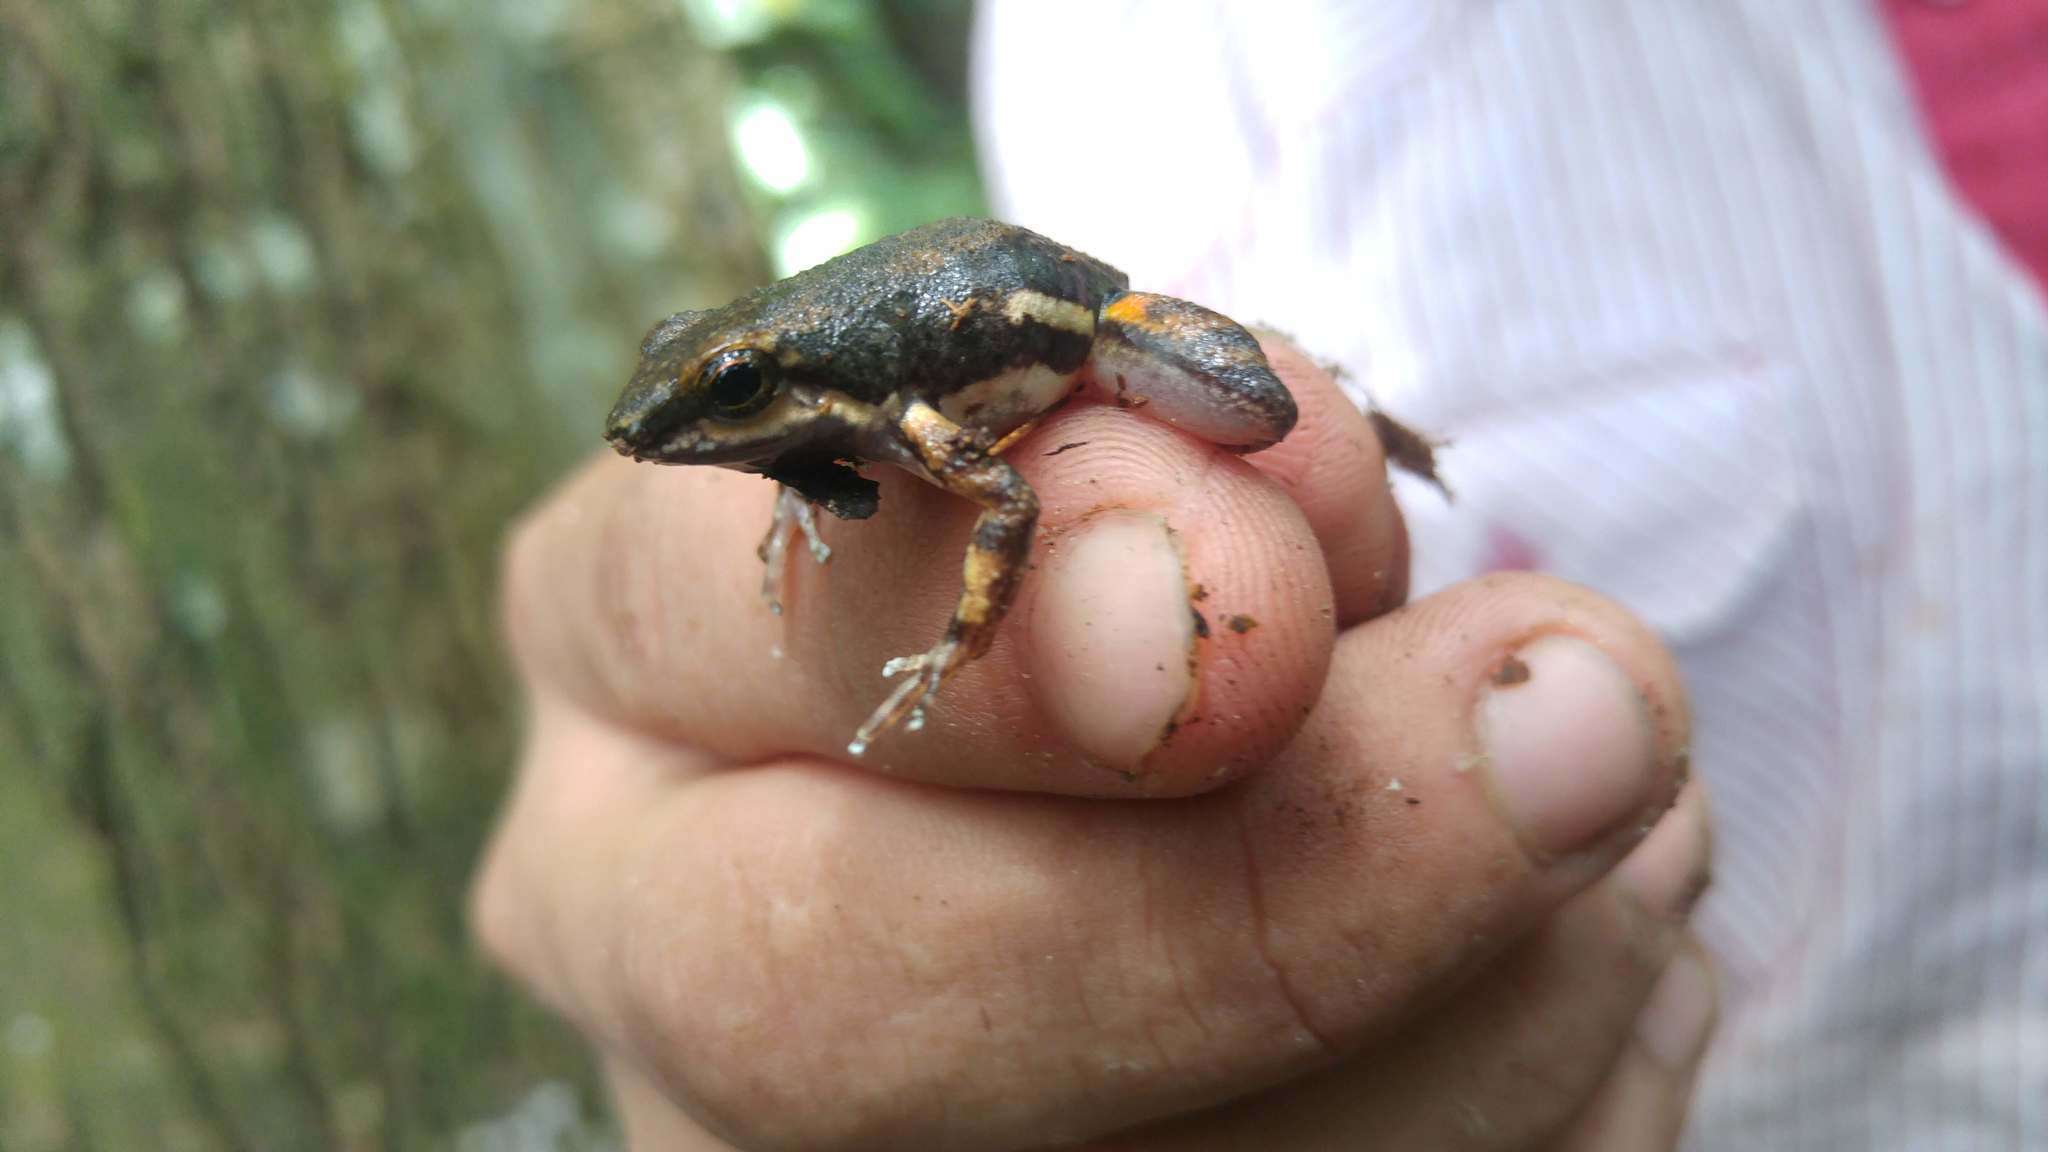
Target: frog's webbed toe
928 672
793 513
1187 366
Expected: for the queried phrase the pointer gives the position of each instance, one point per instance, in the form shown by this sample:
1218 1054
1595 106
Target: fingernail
1111 634
1568 740
1679 1017
1668 872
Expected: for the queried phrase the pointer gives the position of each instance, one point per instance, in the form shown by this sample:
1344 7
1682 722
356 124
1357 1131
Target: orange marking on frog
1131 311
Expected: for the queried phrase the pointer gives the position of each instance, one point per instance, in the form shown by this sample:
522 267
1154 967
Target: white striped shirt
1685 285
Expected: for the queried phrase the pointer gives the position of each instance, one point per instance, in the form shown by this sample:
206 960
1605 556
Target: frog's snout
624 435
639 423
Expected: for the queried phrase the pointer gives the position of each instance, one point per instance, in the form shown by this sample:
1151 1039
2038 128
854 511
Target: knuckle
577 590
523 576
495 916
751 1026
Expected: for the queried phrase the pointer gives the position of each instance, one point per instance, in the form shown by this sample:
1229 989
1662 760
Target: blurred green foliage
300 302
848 117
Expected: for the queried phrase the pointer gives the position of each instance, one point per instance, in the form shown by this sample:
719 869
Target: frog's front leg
960 462
793 513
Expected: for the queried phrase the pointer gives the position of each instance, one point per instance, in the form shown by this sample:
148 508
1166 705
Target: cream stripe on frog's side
1003 402
1006 401
1050 311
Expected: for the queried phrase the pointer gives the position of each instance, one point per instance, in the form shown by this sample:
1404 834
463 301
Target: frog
933 351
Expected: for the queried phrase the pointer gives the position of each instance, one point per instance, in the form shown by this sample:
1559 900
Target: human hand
1402 924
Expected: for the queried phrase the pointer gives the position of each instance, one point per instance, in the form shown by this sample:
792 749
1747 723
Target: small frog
932 350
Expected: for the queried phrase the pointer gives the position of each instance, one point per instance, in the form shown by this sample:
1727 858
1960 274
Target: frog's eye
738 384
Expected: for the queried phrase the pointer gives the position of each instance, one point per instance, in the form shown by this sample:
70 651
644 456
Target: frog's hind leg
958 460
1189 367
793 513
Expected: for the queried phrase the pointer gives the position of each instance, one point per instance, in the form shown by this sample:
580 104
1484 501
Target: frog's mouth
662 449
789 425
699 445
671 434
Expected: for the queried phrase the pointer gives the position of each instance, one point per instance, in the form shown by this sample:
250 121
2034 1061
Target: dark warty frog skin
932 351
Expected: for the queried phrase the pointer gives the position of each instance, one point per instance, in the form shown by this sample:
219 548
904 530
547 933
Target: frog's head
705 393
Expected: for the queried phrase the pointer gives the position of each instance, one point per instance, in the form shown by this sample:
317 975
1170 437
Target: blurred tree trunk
299 302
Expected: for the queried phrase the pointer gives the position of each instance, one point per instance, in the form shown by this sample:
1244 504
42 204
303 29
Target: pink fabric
1980 71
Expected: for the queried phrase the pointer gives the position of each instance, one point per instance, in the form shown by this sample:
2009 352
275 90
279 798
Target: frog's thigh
1189 367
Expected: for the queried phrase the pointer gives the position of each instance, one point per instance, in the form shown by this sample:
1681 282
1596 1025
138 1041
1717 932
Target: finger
1334 468
1016 966
1507 1060
649 1119
1179 619
1644 1101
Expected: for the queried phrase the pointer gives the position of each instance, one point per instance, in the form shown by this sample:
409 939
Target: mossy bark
299 303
